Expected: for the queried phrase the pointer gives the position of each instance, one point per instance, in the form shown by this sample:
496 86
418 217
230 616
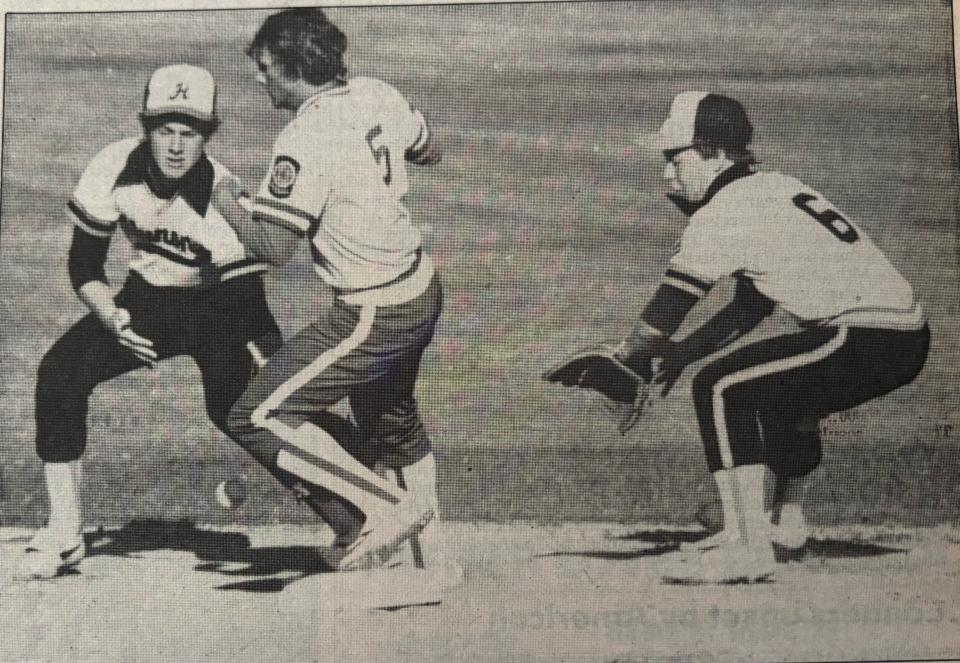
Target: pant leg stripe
316 367
761 370
340 473
258 359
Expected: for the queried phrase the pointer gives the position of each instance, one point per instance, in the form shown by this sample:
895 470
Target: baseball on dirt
231 493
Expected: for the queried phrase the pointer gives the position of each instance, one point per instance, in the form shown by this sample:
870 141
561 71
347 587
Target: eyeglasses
670 155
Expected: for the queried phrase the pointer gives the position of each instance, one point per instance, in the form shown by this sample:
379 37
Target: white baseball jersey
181 241
798 250
338 175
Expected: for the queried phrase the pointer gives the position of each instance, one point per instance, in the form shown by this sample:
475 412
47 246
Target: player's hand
227 191
667 375
672 365
118 322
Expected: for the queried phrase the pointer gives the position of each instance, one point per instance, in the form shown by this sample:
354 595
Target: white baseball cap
181 88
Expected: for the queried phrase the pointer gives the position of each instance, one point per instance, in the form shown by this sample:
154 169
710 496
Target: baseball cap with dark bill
714 119
182 89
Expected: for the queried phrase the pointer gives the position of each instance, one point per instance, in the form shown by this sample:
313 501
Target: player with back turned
337 179
862 334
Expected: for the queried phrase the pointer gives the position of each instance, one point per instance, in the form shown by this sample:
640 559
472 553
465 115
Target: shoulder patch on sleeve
283 176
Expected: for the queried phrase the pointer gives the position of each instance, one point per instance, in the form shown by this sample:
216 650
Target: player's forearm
746 310
428 155
720 330
86 258
661 317
262 240
98 297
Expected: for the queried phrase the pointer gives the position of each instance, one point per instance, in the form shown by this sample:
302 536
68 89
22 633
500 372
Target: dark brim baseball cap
183 90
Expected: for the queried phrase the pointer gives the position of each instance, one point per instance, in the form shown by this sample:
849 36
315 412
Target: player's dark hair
722 123
205 129
305 43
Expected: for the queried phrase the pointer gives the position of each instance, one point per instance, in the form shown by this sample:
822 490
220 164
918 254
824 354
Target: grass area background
548 221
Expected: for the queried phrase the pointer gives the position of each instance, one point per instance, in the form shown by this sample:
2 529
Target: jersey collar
334 89
195 187
731 174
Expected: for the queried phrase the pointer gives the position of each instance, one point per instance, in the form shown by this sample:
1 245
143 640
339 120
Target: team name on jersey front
181 241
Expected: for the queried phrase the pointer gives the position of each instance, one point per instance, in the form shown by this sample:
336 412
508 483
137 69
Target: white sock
420 478
724 479
789 497
63 490
747 482
796 490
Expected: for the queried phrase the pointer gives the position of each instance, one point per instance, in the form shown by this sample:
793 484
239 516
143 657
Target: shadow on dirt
266 569
664 541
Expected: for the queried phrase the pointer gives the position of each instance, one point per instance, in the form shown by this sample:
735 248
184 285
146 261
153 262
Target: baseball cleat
790 535
722 537
51 554
383 534
726 565
334 553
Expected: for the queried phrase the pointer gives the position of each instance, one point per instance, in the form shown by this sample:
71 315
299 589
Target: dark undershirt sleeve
744 312
661 317
667 308
87 257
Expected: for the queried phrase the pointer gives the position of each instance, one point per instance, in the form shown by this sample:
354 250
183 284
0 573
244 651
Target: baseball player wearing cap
191 290
863 333
337 179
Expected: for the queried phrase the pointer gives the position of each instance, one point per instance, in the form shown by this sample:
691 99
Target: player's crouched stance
758 407
337 179
191 290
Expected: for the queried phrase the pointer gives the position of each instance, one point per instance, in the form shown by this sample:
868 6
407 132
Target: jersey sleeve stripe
241 267
683 285
692 284
87 222
281 221
283 215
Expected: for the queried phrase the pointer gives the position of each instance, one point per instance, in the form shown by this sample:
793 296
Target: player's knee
403 437
53 377
795 460
60 449
793 466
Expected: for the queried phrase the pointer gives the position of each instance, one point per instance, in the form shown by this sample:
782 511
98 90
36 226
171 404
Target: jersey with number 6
338 176
798 251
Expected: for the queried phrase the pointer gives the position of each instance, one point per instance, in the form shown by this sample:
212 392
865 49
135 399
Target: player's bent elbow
427 155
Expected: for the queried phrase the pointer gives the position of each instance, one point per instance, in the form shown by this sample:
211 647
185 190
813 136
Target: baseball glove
625 393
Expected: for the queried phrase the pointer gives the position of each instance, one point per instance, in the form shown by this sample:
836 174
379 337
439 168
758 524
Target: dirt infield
587 592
